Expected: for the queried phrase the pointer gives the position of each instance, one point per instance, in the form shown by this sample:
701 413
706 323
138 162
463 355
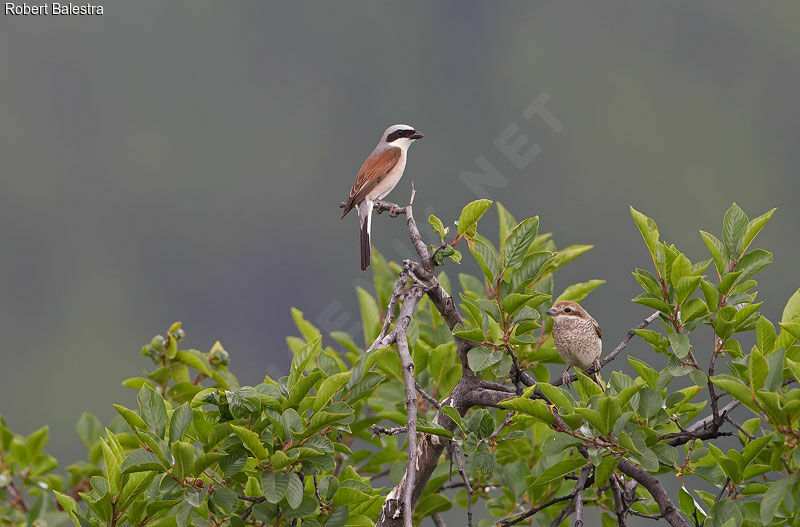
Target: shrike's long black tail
365 243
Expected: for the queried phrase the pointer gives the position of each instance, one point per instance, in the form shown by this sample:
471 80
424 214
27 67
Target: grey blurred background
185 160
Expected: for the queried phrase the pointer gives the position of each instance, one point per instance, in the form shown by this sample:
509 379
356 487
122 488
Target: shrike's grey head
400 135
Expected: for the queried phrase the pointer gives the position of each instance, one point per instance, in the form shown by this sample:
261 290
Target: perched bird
578 337
379 174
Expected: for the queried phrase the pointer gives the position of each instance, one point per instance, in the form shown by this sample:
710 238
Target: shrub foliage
325 445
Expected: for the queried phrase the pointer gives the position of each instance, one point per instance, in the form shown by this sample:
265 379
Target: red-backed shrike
379 174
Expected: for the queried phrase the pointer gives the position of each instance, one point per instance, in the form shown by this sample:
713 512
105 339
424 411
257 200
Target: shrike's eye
567 310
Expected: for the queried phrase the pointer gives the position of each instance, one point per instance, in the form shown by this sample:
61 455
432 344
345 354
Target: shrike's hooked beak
416 135
552 312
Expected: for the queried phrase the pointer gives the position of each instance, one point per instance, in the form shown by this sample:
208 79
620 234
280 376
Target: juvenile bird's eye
567 309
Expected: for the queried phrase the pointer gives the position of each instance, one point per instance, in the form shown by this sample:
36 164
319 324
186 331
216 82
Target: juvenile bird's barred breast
576 341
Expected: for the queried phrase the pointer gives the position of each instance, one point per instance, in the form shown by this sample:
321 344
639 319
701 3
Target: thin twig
564 514
438 521
722 490
428 397
463 473
505 423
747 434
530 512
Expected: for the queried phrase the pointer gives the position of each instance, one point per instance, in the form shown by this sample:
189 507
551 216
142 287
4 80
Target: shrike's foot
565 378
596 365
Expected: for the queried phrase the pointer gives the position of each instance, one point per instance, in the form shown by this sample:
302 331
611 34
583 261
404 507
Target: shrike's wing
372 172
596 327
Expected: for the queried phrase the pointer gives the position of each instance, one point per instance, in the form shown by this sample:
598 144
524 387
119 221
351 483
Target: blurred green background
185 161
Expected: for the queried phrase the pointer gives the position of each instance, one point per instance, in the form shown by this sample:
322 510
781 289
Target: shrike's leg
565 377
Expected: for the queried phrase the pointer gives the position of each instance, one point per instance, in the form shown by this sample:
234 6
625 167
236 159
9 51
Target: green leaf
131 417
604 470
513 301
578 292
518 241
114 476
244 402
471 213
648 229
225 499
183 459
140 460
715 248
152 410
794 367
251 441
685 287
505 220
648 300
431 504
650 402
765 335
453 414
532 266
193 359
555 396
754 227
294 491
772 499
370 314
303 386
689 505
274 485
733 229
609 412
486 256
137 483
328 388
753 262
679 344
526 406
308 352
647 373
180 421
89 429
757 369
593 417
480 358
473 335
792 309
437 226
559 470
736 389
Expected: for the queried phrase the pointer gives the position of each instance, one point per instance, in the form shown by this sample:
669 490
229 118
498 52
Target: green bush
326 445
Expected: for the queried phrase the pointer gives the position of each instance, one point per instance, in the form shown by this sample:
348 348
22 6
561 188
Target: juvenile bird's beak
552 312
416 135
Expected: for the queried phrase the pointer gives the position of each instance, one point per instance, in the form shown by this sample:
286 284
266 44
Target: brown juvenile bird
578 337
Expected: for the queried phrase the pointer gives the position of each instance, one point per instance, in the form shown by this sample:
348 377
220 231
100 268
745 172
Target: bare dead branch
619 502
579 486
654 487
378 430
